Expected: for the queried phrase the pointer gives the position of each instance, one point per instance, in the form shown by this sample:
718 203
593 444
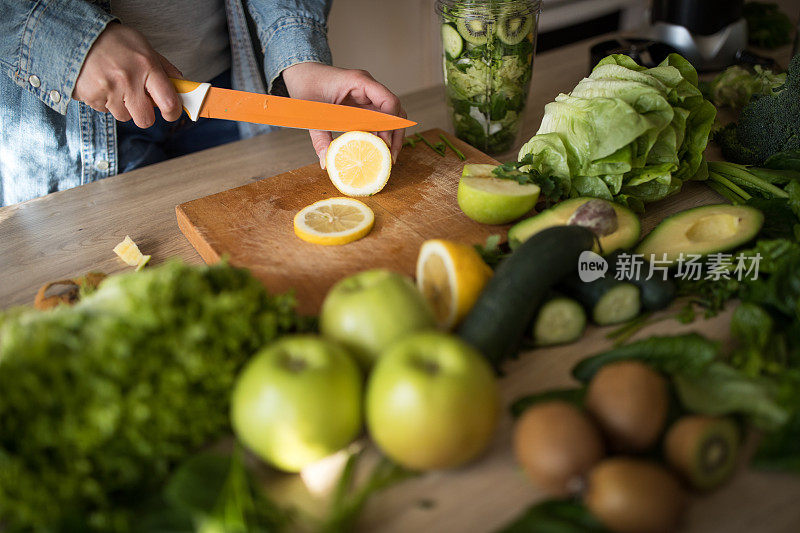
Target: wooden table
71 232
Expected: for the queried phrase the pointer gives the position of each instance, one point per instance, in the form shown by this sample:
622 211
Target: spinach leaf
688 354
788 160
722 389
573 396
555 516
780 221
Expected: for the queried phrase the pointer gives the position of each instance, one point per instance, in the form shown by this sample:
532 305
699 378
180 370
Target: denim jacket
49 142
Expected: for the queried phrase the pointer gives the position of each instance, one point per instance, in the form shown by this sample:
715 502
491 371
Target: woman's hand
323 83
123 75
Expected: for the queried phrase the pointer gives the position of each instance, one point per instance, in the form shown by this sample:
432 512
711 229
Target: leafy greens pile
99 401
762 373
735 86
626 133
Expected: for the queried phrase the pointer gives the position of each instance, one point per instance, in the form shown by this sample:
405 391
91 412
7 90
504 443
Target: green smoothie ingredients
488 62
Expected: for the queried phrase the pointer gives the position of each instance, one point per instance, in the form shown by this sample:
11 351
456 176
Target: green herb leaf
688 354
555 516
493 252
549 185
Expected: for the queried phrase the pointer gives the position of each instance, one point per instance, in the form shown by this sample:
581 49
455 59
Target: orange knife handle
193 94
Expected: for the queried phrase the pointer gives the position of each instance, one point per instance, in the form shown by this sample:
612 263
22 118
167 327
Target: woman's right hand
122 74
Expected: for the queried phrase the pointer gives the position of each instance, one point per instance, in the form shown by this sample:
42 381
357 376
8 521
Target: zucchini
506 307
655 293
560 320
607 300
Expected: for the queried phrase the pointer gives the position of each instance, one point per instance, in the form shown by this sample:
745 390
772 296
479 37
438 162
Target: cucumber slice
656 293
561 320
607 300
619 304
451 41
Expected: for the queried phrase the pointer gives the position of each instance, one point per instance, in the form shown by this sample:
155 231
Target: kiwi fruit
556 444
629 401
475 28
634 496
514 26
703 449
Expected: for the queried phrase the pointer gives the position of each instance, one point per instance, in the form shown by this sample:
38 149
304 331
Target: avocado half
626 235
701 231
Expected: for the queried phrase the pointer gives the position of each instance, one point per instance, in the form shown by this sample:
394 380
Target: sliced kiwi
703 449
475 28
514 26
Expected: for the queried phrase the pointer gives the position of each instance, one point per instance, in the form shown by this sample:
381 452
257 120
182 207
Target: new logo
591 266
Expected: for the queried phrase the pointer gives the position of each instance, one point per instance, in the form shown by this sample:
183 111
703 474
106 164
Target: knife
204 100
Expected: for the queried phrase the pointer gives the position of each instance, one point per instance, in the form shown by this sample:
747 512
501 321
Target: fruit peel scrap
129 252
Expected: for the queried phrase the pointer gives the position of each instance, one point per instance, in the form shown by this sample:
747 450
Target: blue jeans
165 140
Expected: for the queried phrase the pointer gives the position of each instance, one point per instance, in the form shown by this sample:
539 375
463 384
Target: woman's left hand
323 83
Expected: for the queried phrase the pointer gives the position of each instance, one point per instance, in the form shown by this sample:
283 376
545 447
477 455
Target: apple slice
490 200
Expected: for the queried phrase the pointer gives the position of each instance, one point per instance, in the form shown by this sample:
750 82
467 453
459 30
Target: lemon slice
334 221
451 276
129 252
358 163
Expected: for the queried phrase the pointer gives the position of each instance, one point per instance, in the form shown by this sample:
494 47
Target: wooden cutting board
252 224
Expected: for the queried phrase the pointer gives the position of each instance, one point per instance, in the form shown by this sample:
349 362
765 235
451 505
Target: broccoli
732 149
769 124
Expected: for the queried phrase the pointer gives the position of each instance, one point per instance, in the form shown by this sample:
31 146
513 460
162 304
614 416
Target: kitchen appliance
709 33
203 100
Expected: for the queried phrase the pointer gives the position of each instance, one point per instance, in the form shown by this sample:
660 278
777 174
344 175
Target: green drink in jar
488 49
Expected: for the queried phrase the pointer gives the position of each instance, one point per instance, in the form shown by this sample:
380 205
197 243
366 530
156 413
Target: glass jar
488 48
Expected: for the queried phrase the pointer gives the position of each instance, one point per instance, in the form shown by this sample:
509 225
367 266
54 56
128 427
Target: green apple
297 401
490 200
369 311
432 402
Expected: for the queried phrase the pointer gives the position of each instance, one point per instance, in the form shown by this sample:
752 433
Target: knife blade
204 100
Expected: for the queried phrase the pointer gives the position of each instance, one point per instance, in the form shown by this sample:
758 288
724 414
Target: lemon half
334 221
451 276
358 163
